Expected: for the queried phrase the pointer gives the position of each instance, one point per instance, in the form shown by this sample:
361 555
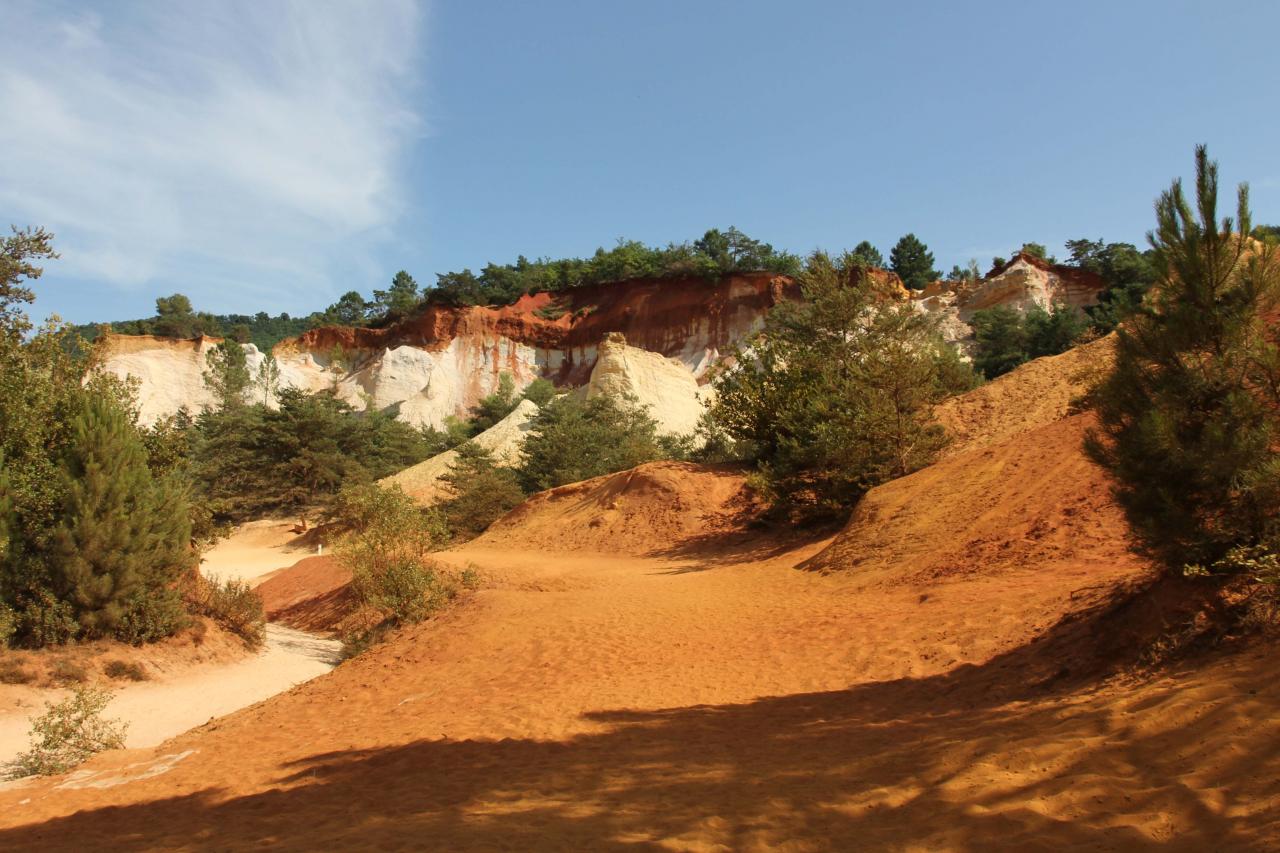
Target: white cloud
215 147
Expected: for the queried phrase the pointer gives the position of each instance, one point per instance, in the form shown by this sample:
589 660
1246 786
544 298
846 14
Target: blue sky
270 156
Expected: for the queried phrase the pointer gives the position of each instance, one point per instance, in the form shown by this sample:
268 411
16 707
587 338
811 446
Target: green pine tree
913 262
123 538
1188 417
400 298
835 394
866 255
228 375
482 491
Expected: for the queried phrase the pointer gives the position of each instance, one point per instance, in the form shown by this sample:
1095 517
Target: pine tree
913 262
836 392
268 380
1188 418
228 375
123 537
866 255
400 298
482 490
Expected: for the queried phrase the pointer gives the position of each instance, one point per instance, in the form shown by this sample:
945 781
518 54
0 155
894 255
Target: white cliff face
169 374
504 440
665 385
422 386
1021 285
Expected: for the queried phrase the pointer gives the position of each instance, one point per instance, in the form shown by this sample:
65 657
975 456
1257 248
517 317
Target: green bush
151 613
540 391
232 604
481 491
69 733
8 623
1005 339
385 548
573 439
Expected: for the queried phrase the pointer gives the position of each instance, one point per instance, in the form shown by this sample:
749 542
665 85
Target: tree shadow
1005 755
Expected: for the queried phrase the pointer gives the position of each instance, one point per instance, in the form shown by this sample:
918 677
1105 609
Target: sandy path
157 711
253 550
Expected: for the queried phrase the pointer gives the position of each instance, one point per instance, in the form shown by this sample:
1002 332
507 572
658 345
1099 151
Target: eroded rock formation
443 361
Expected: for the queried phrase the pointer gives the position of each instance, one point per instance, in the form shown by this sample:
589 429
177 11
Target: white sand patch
157 711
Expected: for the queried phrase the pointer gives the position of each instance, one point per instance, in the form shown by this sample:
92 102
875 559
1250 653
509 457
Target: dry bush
13 672
67 671
125 669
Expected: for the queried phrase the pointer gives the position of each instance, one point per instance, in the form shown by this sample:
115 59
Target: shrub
68 733
152 613
1005 339
8 623
1188 416
470 577
124 669
482 491
572 439
836 393
232 604
44 620
385 549
13 672
67 671
405 590
540 391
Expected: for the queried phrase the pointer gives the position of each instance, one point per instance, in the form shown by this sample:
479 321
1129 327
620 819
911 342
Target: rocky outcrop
664 386
169 373
444 360
504 440
1023 283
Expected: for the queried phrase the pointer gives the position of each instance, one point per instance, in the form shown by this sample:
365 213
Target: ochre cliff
442 361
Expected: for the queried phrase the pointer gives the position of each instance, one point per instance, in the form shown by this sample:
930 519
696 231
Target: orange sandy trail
716 698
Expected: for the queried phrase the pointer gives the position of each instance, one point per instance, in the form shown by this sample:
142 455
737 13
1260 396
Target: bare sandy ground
592 702
156 711
254 550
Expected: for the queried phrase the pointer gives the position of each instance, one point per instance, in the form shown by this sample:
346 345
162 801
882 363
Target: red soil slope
937 689
649 509
310 595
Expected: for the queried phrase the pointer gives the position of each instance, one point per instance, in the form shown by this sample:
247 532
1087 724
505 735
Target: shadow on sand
1003 756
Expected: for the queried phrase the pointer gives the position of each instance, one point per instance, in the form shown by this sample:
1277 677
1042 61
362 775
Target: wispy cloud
220 148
